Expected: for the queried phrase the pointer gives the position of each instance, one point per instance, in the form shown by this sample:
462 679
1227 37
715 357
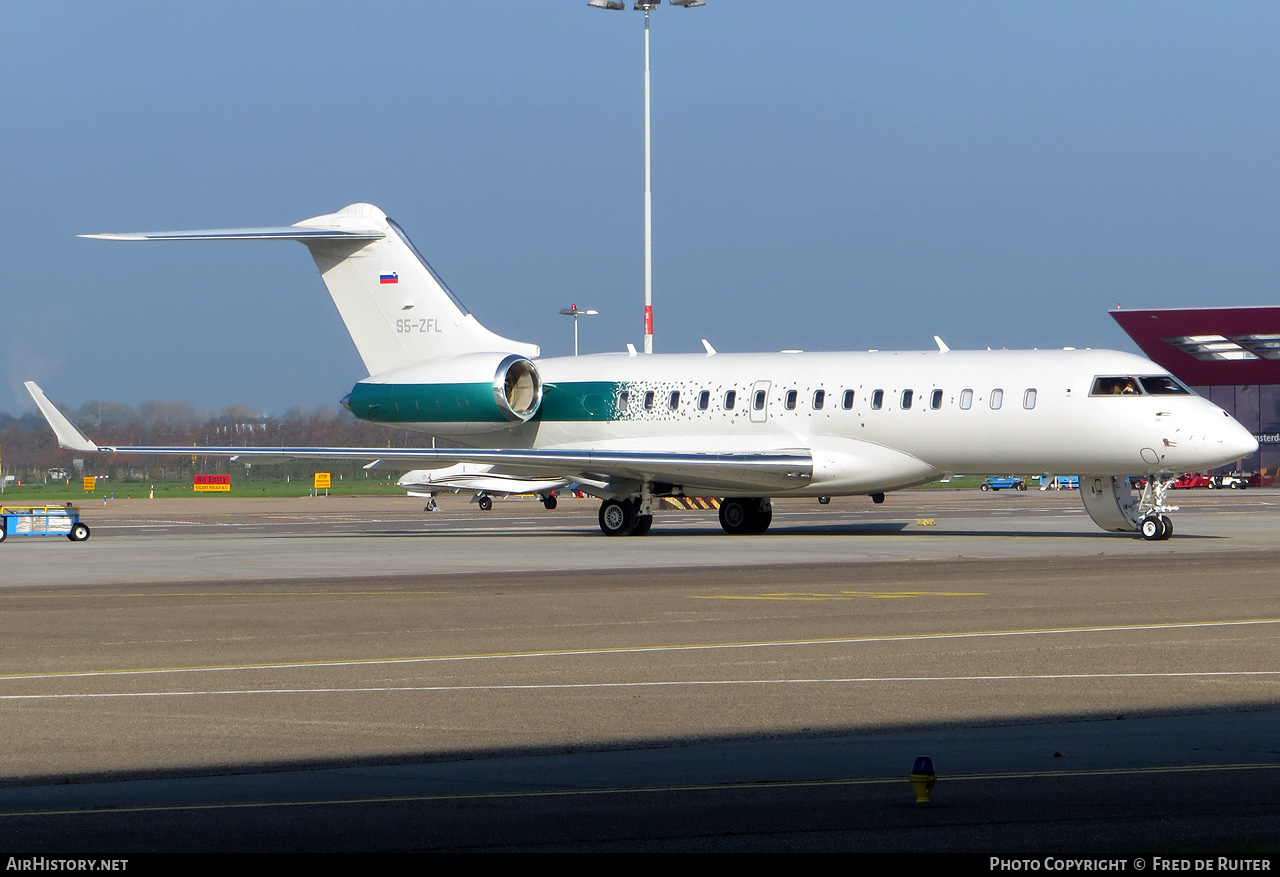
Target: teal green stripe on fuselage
474 403
580 401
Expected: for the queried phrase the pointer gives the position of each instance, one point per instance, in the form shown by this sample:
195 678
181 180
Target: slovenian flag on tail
393 277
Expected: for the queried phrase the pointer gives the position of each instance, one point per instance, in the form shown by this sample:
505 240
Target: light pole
573 311
646 6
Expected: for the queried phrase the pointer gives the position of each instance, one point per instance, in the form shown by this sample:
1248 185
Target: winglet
68 436
942 345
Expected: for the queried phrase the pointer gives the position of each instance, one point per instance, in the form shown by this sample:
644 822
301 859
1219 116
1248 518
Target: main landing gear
621 517
626 517
745 515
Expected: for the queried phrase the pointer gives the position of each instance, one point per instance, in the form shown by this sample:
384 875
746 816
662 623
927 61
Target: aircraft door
759 401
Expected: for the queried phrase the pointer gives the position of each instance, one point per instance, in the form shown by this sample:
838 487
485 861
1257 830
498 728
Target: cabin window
997 399
790 400
730 399
624 399
1115 386
906 399
877 400
819 399
935 400
648 400
966 399
1164 385
1029 399
673 401
758 403
704 400
847 401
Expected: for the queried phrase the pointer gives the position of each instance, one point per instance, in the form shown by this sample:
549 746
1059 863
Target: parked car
1191 479
1234 480
1001 482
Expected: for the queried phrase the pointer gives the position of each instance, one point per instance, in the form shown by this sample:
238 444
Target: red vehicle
1191 479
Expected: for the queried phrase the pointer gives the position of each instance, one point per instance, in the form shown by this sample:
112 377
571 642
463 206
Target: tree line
28 449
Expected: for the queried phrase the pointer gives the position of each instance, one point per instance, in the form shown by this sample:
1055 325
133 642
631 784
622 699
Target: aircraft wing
602 469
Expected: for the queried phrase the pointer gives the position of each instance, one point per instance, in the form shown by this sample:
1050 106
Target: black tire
1151 528
550 502
761 520
79 533
986 487
1022 486
485 503
643 523
2 533
735 515
617 517
824 500
1166 525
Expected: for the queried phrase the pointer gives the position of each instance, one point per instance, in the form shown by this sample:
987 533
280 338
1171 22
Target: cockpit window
1163 385
1121 386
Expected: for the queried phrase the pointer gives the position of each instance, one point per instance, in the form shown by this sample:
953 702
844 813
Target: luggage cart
42 520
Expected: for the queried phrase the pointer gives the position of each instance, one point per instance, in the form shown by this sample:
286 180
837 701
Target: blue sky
827 175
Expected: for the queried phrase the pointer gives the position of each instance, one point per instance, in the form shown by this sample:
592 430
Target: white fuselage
976 412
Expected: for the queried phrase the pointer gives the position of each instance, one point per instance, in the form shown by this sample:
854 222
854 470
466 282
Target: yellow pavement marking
841 595
686 683
631 650
641 790
80 596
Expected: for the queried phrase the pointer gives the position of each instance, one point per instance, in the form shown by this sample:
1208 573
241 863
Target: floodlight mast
646 6
575 312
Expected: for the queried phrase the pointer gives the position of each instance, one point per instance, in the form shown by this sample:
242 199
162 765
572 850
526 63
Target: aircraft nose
1236 440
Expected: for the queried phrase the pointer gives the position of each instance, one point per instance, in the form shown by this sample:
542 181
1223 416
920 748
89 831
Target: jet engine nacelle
473 393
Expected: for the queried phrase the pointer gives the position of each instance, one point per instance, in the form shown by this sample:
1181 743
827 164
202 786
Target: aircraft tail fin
396 308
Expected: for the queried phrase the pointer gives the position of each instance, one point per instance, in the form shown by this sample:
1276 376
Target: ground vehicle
1002 482
1190 480
42 521
1061 482
1234 480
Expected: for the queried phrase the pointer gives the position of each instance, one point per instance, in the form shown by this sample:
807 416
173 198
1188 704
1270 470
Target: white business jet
745 427
481 481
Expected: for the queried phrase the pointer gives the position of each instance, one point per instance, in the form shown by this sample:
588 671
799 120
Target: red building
1230 356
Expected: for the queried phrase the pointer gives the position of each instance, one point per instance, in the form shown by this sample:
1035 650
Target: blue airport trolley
42 520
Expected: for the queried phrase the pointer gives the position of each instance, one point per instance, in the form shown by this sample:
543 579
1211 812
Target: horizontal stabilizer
279 233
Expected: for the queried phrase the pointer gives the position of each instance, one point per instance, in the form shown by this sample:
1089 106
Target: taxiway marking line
843 595
641 790
633 650
694 683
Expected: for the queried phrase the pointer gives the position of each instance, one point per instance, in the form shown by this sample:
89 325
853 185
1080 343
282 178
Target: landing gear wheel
79 533
734 515
617 517
643 523
485 503
1152 528
549 502
745 515
1167 524
761 520
824 500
